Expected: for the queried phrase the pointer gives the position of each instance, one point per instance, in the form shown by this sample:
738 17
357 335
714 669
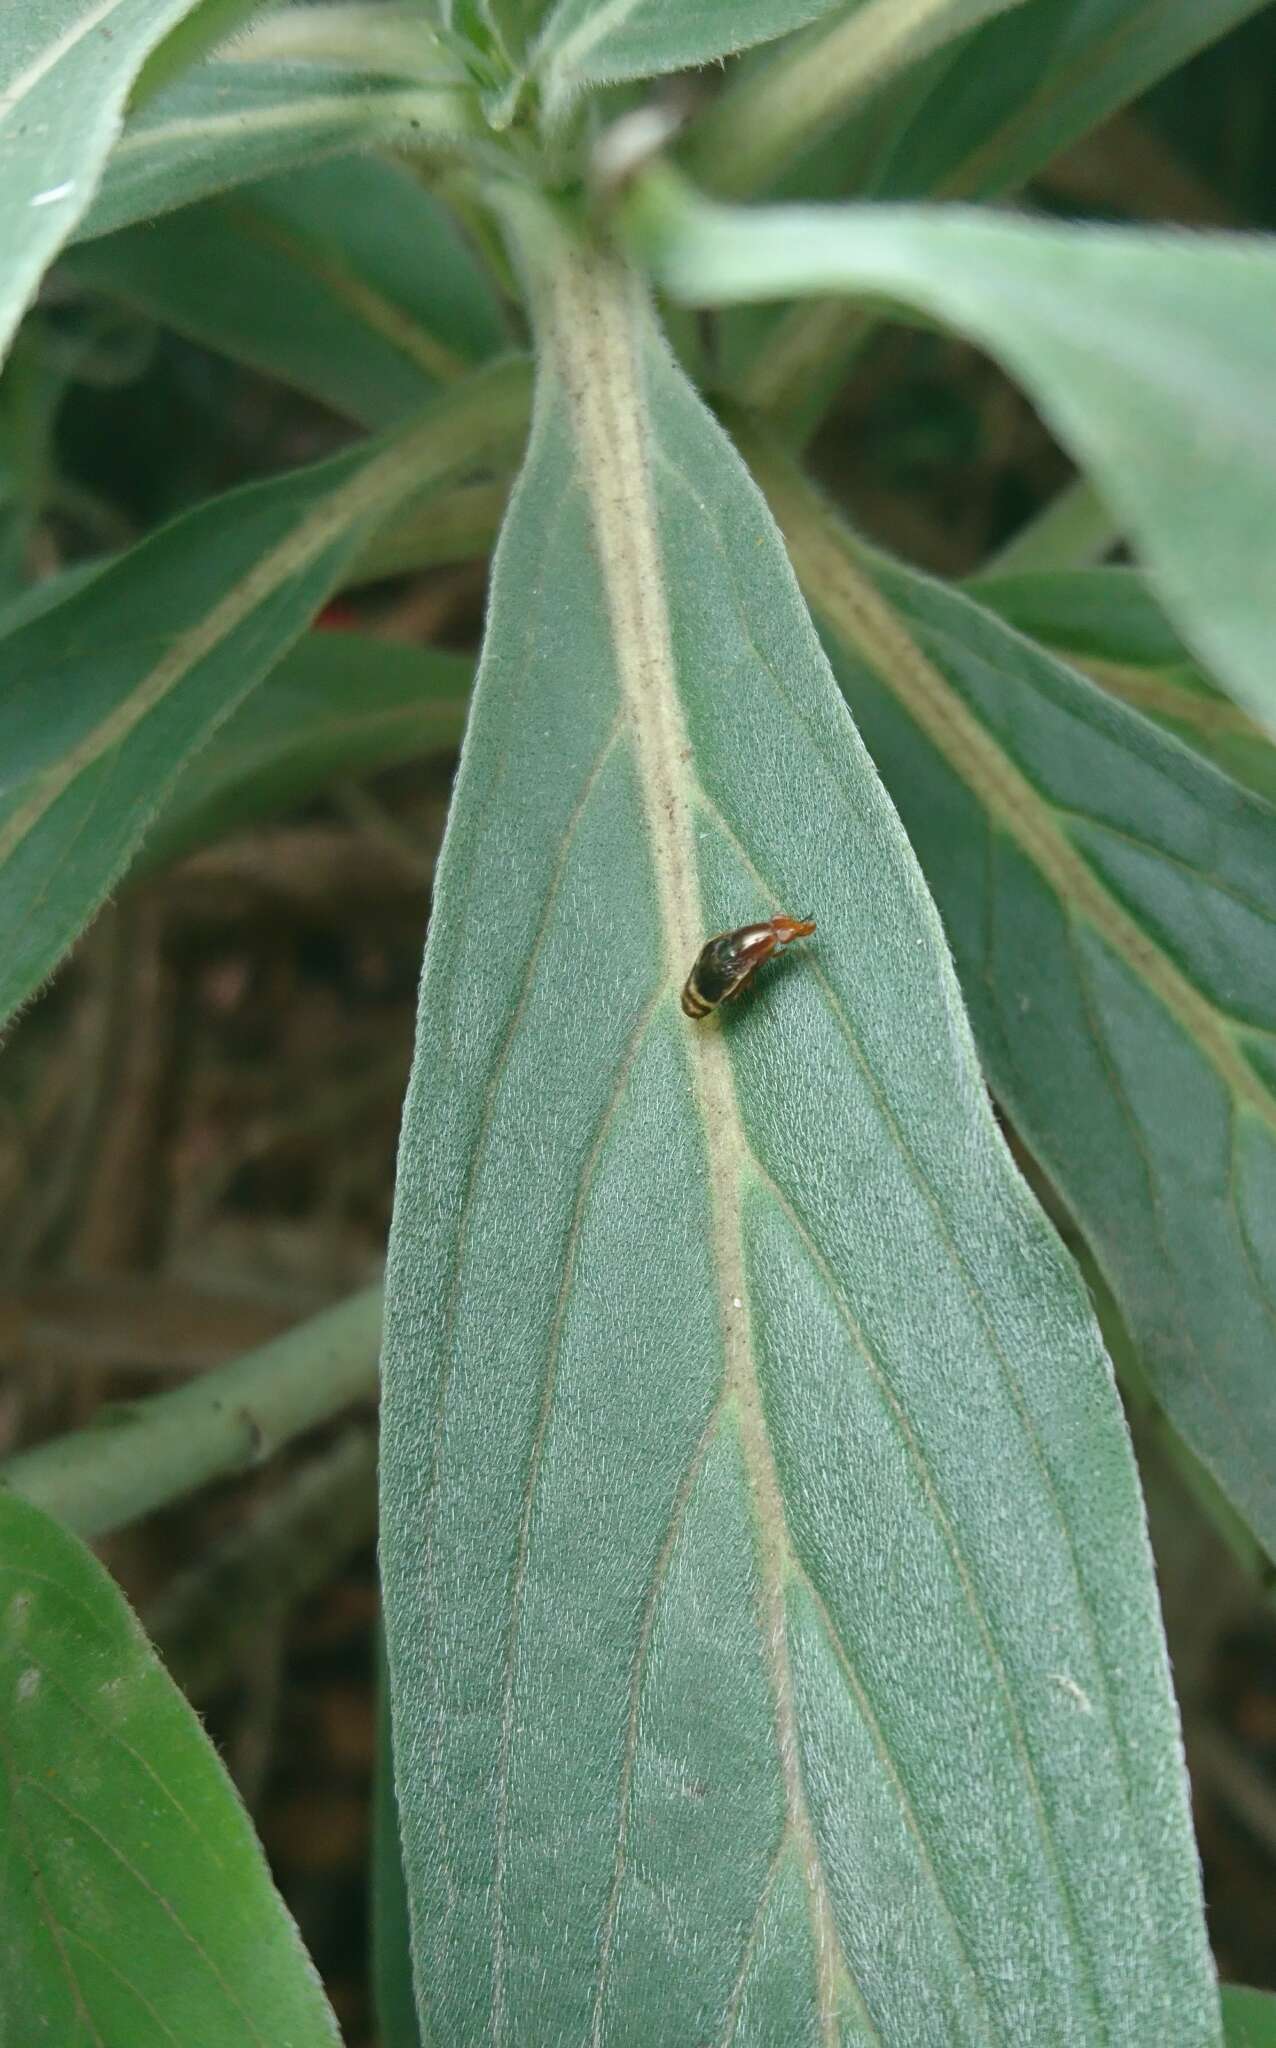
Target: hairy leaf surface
596 42
1111 903
766 1585
139 666
228 123
137 1903
1107 622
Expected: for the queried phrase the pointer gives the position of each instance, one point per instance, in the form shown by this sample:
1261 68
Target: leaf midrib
592 316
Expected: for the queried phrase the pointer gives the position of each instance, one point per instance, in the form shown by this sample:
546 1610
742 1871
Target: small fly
728 962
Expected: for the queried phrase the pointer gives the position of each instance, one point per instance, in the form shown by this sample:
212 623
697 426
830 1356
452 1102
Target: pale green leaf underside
597 42
228 123
140 665
1111 904
135 1903
346 279
66 67
1151 355
767 1594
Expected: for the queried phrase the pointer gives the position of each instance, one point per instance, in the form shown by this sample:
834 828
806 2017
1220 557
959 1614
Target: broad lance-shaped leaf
137 1903
597 42
1111 902
227 123
105 697
1150 355
773 1646
1107 622
66 67
347 279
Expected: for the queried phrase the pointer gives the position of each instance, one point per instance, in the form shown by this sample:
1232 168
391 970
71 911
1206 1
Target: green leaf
346 279
977 119
141 665
1025 87
204 27
790 98
747 1441
338 704
1110 902
1249 2017
66 67
138 1906
1106 622
1148 354
598 42
229 123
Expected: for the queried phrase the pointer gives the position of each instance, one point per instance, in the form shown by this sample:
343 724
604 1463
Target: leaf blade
139 1903
599 42
645 1629
346 279
223 591
1097 883
228 123
1107 623
337 705
65 72
1148 355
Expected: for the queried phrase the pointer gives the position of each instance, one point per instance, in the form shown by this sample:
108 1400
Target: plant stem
138 1457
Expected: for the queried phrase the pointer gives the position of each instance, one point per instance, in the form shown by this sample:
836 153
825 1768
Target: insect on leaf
763 1557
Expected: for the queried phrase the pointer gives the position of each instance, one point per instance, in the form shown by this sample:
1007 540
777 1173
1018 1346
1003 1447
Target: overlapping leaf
1150 355
790 97
66 67
596 42
337 705
137 1903
773 1647
977 119
228 123
1107 622
1111 903
107 696
346 279
1249 2017
1021 89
